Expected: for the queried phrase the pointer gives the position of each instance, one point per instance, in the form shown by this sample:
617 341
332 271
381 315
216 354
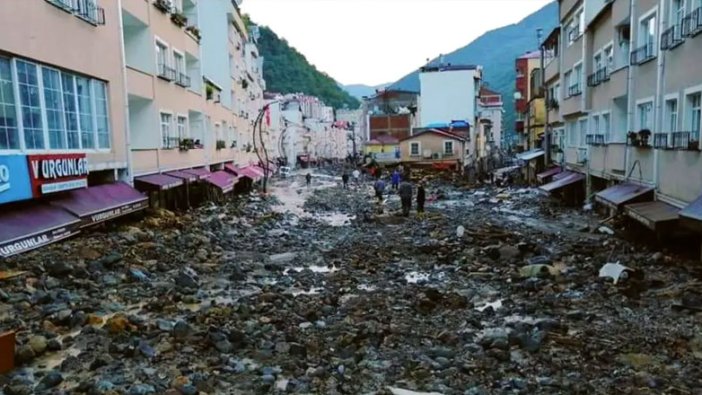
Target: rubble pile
491 292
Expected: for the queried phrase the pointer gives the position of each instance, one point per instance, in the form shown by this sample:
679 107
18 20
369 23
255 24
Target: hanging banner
14 179
57 172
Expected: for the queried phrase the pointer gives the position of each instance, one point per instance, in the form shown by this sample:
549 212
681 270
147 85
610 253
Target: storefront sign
14 179
59 172
115 212
25 244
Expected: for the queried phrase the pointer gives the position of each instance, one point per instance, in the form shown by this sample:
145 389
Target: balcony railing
595 139
183 80
167 73
83 9
671 38
643 54
685 141
598 77
660 141
692 23
575 90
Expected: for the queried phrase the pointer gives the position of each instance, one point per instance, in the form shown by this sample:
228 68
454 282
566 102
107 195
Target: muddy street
315 290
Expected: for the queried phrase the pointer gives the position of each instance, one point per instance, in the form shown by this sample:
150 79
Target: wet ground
318 290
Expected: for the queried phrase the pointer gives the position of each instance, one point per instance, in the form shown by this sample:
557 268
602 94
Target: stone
25 353
38 344
54 345
59 268
142 389
224 346
118 324
181 330
51 379
186 280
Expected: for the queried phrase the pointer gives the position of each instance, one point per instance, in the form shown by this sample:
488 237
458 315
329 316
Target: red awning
222 180
231 168
103 202
200 172
159 182
615 196
34 226
187 177
548 173
251 173
562 182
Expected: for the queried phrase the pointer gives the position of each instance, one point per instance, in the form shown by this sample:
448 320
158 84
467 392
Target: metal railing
165 72
183 80
598 77
170 142
692 23
83 9
643 54
685 141
575 90
660 141
671 38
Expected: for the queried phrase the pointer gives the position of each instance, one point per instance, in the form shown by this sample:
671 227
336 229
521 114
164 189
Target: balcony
164 6
660 141
86 10
182 80
685 141
643 54
692 23
575 90
595 139
671 38
166 73
598 77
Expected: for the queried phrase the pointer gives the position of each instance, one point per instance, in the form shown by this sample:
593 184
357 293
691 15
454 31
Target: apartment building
553 96
631 106
527 68
63 145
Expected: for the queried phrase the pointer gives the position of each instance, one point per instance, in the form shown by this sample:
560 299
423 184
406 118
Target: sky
379 41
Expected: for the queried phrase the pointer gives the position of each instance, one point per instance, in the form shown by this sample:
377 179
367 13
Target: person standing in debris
345 179
395 179
379 188
356 176
308 177
421 198
405 192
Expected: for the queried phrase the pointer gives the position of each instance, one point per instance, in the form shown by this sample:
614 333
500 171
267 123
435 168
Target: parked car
285 171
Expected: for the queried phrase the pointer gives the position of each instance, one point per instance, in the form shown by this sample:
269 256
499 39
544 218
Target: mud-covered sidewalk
313 291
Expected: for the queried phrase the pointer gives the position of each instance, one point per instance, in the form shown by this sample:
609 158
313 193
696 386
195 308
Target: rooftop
447 67
531 55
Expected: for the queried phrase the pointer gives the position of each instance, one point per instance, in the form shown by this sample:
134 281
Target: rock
658 257
165 325
509 252
38 344
103 387
138 274
297 349
19 389
282 347
54 345
181 330
100 361
285 257
224 346
188 389
111 260
187 279
51 380
59 268
142 389
119 324
25 353
146 350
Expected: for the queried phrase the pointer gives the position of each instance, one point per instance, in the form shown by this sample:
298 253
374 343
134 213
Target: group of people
405 190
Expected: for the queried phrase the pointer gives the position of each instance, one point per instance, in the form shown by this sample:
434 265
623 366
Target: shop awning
160 182
627 192
548 173
34 226
222 180
692 214
530 155
251 173
187 177
103 202
231 168
653 215
200 172
563 181
261 170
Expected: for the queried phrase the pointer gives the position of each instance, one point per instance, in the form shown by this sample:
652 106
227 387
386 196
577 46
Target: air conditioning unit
437 155
427 154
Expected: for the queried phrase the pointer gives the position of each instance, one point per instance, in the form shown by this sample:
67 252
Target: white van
285 171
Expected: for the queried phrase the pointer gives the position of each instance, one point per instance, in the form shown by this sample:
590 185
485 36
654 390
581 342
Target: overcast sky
378 41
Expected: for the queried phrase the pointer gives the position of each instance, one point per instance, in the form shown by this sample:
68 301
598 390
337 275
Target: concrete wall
61 39
447 96
607 161
645 158
215 38
433 143
675 178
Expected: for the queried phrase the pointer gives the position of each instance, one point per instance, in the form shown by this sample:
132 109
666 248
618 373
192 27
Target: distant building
449 93
390 113
525 69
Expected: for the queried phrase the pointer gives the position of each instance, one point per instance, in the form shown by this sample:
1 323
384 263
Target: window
182 127
671 115
578 75
647 34
597 62
166 137
28 85
53 101
609 58
9 128
414 149
582 131
557 93
567 77
70 108
448 148
595 124
161 56
677 12
571 127
606 127
102 120
694 102
645 115
218 132
85 113
179 61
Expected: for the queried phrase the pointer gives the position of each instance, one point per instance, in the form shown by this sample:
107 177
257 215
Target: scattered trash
615 271
539 270
399 391
7 352
605 230
8 274
460 230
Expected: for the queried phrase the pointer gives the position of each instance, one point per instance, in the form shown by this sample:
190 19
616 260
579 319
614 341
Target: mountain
496 51
287 71
360 90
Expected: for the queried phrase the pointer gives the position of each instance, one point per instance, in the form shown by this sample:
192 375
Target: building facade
527 101
449 93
